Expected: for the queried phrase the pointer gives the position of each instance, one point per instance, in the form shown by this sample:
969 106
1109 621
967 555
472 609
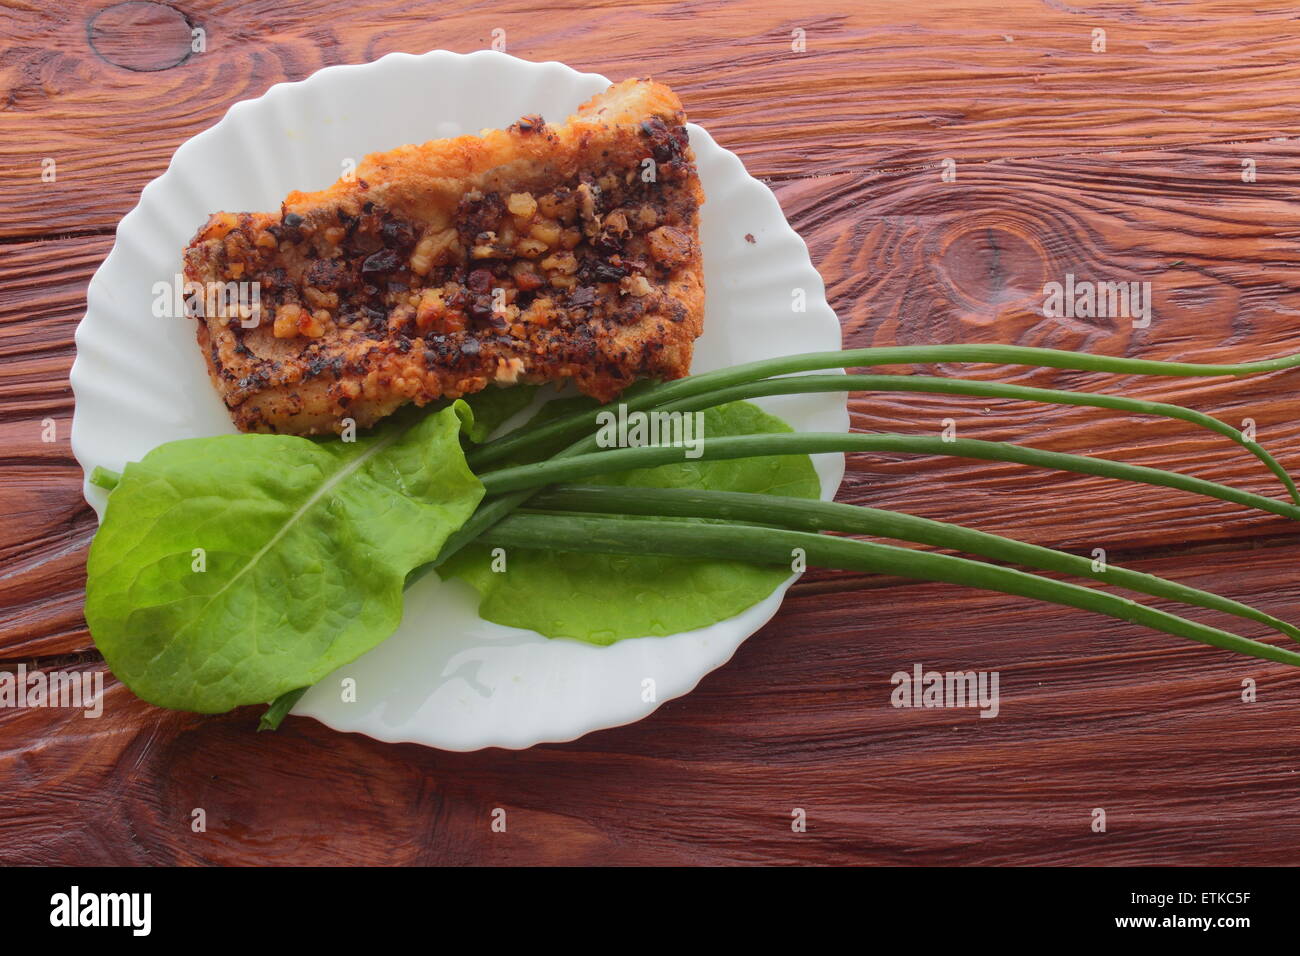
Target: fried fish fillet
531 254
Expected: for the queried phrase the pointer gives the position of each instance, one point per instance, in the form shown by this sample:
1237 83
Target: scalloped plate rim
830 468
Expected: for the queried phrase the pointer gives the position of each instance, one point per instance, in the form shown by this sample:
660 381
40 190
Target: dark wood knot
141 35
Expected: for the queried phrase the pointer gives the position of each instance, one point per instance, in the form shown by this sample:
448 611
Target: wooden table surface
1115 155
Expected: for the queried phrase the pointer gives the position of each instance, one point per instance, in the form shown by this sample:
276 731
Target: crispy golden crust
529 254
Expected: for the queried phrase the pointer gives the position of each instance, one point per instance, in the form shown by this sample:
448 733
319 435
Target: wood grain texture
1123 165
46 524
910 259
973 81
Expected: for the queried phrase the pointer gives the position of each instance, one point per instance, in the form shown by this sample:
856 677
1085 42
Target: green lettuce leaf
232 569
606 598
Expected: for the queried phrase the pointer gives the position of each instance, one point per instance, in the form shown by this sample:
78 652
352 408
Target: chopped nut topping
563 262
549 257
669 246
314 327
508 370
561 204
320 299
635 285
286 321
547 231
292 320
505 264
522 204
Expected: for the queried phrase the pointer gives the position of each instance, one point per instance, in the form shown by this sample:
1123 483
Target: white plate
447 678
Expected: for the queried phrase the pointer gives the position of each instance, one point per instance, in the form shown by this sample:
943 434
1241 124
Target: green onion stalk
769 530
